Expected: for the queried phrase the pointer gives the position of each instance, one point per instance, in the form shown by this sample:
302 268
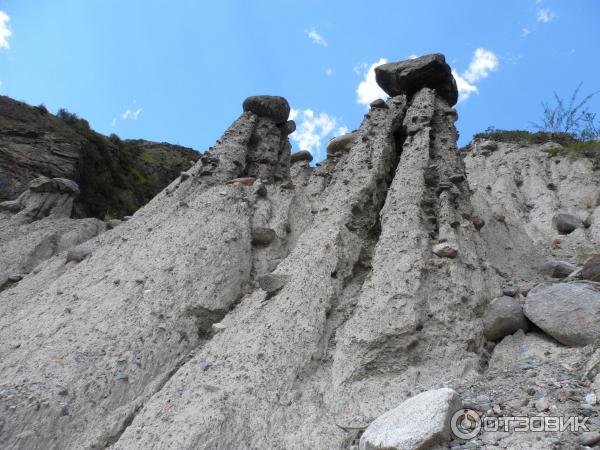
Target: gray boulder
418 423
591 269
289 127
510 290
445 250
302 155
487 145
407 77
272 282
272 106
42 184
263 236
62 185
341 144
46 197
558 269
569 312
566 223
504 316
78 254
379 103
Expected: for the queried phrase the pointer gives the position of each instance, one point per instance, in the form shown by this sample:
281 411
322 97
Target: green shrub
41 108
73 120
573 117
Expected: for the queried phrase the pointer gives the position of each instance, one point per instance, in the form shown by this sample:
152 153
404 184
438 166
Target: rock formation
115 177
259 302
37 226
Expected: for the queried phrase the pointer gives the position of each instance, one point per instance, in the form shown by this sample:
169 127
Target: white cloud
413 56
316 38
368 89
133 115
545 15
525 31
328 71
360 68
465 89
129 114
482 63
313 129
5 33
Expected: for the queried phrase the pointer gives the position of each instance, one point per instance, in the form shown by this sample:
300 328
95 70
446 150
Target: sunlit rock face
260 302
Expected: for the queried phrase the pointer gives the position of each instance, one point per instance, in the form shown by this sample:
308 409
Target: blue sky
178 70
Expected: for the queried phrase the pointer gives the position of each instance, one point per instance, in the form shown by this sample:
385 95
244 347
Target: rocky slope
260 303
115 177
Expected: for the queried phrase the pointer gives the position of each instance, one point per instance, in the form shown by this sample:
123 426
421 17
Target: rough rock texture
366 297
418 423
408 77
566 223
557 269
115 177
179 329
341 144
504 316
302 155
46 197
570 313
591 269
271 106
445 250
37 226
138 309
529 187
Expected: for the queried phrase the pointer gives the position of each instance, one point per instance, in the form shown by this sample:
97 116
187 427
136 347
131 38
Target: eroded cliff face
258 302
519 188
115 177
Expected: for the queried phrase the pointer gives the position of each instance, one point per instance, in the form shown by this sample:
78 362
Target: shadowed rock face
258 304
45 197
407 77
115 177
37 226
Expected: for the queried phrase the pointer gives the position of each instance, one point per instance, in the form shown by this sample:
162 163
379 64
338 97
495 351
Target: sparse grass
520 136
578 149
147 157
569 145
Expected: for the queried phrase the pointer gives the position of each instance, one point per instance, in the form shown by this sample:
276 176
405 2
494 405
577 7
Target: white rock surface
419 423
